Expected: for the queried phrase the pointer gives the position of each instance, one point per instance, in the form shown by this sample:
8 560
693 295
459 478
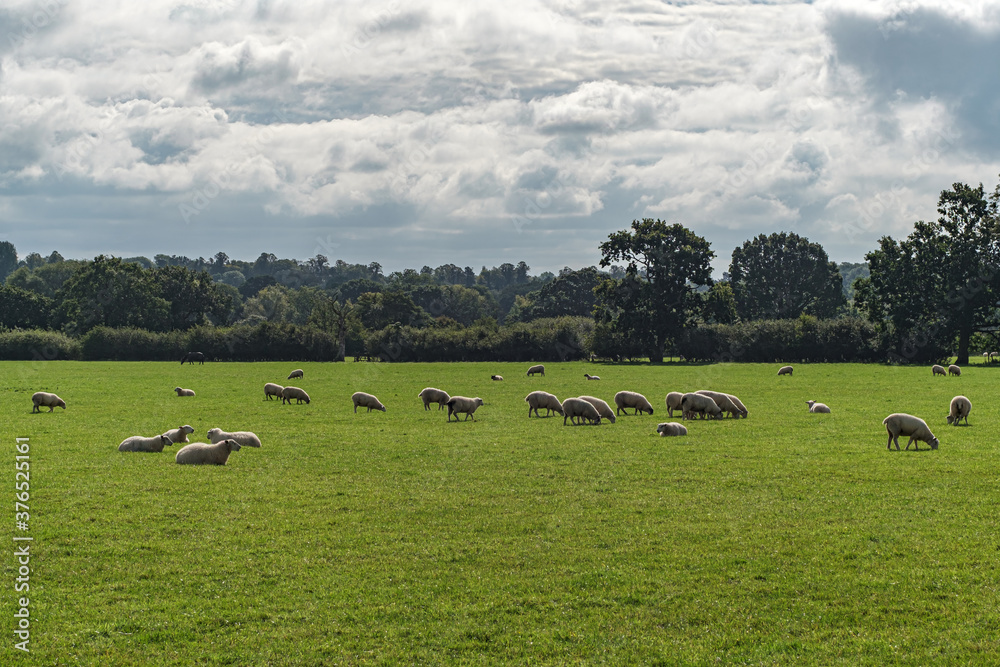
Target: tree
379 310
657 298
572 293
8 259
782 276
191 295
111 292
720 304
20 308
332 316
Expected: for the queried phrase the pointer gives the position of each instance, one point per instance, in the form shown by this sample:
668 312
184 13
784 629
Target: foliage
37 345
23 309
8 259
571 294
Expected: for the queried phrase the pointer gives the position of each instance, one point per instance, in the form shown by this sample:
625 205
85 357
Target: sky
429 132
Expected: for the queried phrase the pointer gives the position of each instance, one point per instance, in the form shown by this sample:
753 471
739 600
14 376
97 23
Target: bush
37 345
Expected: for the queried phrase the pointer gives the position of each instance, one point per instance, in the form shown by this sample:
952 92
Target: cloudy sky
436 131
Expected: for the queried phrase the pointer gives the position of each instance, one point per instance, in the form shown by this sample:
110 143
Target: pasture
787 538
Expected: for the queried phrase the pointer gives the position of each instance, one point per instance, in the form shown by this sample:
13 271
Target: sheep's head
213 431
61 403
232 445
934 443
165 440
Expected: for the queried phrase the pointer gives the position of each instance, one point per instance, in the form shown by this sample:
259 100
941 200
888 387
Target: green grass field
392 538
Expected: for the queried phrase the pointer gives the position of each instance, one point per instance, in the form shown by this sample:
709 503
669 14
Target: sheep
366 401
785 370
603 408
539 368
937 370
671 428
271 389
179 434
898 424
960 407
192 357
739 404
457 404
245 438
297 373
137 443
592 377
954 370
692 404
51 401
431 395
631 399
201 453
496 377
579 411
723 401
184 392
673 402
543 399
288 393
817 407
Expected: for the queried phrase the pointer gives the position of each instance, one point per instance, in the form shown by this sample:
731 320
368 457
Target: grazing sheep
960 407
137 443
201 453
184 392
937 370
954 370
51 401
496 377
993 356
288 393
692 404
543 399
366 401
603 408
192 357
539 368
723 401
738 403
579 411
271 389
631 399
592 377
674 402
459 404
817 407
180 434
297 373
431 395
671 428
245 438
785 370
898 424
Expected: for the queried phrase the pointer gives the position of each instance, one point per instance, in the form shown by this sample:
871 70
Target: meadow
787 538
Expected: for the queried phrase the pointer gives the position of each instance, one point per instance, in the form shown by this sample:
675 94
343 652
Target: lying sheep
739 404
271 389
180 434
723 401
288 393
539 368
543 399
51 401
631 399
898 424
579 411
954 370
201 453
937 370
592 377
785 370
671 428
366 401
817 407
431 395
673 402
496 377
138 443
960 408
184 392
698 404
297 373
459 404
245 438
603 408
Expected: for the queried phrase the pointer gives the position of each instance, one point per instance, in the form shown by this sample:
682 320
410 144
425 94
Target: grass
397 538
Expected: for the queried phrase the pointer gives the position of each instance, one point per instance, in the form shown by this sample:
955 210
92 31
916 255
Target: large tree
782 276
113 293
657 298
8 259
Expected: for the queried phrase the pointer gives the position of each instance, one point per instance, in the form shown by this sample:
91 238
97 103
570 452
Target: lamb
579 411
51 401
937 370
137 443
674 402
960 407
297 373
543 399
179 434
739 404
245 438
458 404
723 401
184 392
631 399
496 377
592 377
539 368
817 407
898 424
192 357
288 393
201 453
692 404
603 408
671 428
271 389
431 395
785 370
954 370
366 401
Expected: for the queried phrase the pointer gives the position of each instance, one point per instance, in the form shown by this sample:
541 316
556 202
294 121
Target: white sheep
202 453
288 393
271 389
738 403
184 392
698 404
543 399
138 443
954 370
460 404
673 401
785 370
51 401
937 370
592 377
671 428
579 411
297 373
817 407
538 368
632 399
366 401
496 377
603 408
723 401
245 438
431 395
180 434
960 407
898 424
